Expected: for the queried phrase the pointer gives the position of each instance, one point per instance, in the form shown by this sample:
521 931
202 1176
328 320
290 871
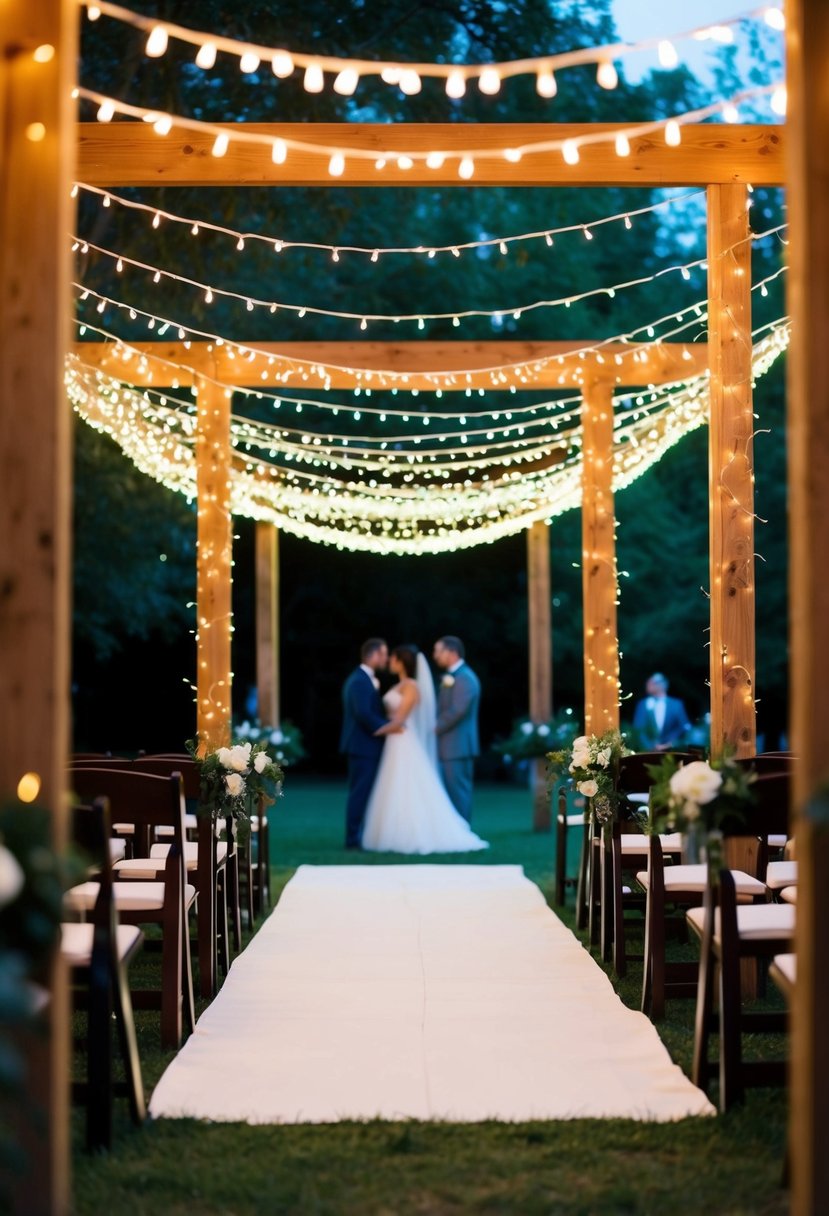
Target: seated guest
660 720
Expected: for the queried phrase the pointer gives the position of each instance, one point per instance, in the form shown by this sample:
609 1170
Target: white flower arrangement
593 764
233 777
283 741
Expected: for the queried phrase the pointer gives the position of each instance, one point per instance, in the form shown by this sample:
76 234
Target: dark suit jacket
673 728
362 716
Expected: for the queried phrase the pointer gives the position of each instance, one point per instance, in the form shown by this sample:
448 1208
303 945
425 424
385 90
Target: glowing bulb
513 155
466 168
206 55
570 152
730 112
775 18
622 145
249 62
279 151
43 53
220 144
282 64
28 787
35 132
545 83
163 125
409 82
345 82
156 42
405 163
313 81
106 111
779 97
93 12
606 75
435 160
336 165
668 56
390 74
673 134
489 81
455 85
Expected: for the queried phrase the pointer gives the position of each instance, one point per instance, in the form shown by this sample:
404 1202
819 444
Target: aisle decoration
698 799
530 740
593 765
285 740
234 779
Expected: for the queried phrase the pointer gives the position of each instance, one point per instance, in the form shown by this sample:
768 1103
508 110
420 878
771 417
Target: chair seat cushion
254 821
777 841
124 829
755 922
191 822
572 821
781 874
786 964
117 850
191 853
694 880
643 799
635 842
789 895
76 942
128 896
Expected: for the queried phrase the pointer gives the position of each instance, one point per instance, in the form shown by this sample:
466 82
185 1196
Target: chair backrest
634 777
99 762
147 800
91 831
165 766
768 762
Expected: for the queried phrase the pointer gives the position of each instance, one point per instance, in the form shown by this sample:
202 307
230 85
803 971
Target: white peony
581 759
589 788
603 757
238 757
696 782
235 785
261 762
11 877
223 755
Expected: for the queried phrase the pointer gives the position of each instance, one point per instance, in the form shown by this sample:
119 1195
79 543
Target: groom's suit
362 716
457 732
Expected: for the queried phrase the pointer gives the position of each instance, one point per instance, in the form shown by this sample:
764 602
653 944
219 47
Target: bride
409 810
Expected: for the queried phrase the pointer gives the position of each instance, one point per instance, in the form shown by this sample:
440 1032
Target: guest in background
661 720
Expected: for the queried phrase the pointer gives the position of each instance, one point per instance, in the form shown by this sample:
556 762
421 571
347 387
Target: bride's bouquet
593 765
235 778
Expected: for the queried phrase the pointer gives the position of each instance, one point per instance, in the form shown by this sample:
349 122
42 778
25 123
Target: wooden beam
540 656
129 153
807 23
267 622
214 556
599 578
37 149
731 474
450 366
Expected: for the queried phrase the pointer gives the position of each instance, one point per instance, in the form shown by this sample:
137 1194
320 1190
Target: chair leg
129 1044
234 896
264 860
618 912
593 894
247 862
646 1005
222 939
99 1063
187 994
561 858
731 1082
582 885
171 983
700 1071
206 923
606 903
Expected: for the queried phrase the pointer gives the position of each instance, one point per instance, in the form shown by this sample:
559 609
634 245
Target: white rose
239 757
235 785
526 728
448 681
581 758
277 736
223 755
582 743
696 782
589 788
261 762
604 757
11 877
543 730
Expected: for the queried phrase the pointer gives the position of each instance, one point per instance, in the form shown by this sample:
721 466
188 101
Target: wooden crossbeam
130 153
412 365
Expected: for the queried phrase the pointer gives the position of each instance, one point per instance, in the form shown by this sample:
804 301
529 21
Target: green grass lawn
731 1164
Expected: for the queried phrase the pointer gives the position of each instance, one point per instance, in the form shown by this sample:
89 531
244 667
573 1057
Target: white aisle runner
419 992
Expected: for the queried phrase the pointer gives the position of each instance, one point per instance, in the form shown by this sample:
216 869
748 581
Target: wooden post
807 23
37 146
267 622
213 581
541 656
599 582
731 475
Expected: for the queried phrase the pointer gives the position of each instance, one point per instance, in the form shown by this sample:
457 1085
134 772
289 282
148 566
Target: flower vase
693 848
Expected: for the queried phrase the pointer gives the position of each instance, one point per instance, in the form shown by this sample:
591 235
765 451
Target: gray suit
457 731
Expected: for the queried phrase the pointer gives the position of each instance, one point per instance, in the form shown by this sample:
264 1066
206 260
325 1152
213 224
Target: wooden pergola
42 151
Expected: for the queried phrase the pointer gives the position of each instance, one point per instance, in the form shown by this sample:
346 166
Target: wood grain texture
35 504
599 587
731 473
267 623
807 23
129 153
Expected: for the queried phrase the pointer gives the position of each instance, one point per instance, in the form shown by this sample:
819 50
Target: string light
156 44
606 75
206 55
314 81
667 54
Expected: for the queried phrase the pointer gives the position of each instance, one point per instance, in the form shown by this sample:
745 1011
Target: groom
362 718
457 722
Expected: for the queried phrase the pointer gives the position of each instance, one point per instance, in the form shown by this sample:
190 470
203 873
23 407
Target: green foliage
285 740
592 763
530 740
234 779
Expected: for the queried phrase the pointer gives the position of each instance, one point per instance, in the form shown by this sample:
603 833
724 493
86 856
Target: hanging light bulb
405 163
489 81
390 74
163 124
345 82
106 110
248 63
455 85
622 145
220 144
570 152
336 165
545 83
466 168
435 160
206 55
156 42
279 151
313 81
775 18
779 98
606 75
667 53
409 82
282 64
513 155
730 112
673 133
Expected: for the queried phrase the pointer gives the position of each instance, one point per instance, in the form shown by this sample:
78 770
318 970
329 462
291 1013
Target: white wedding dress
409 810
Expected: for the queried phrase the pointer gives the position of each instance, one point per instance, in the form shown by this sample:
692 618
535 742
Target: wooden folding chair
99 953
566 818
148 801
